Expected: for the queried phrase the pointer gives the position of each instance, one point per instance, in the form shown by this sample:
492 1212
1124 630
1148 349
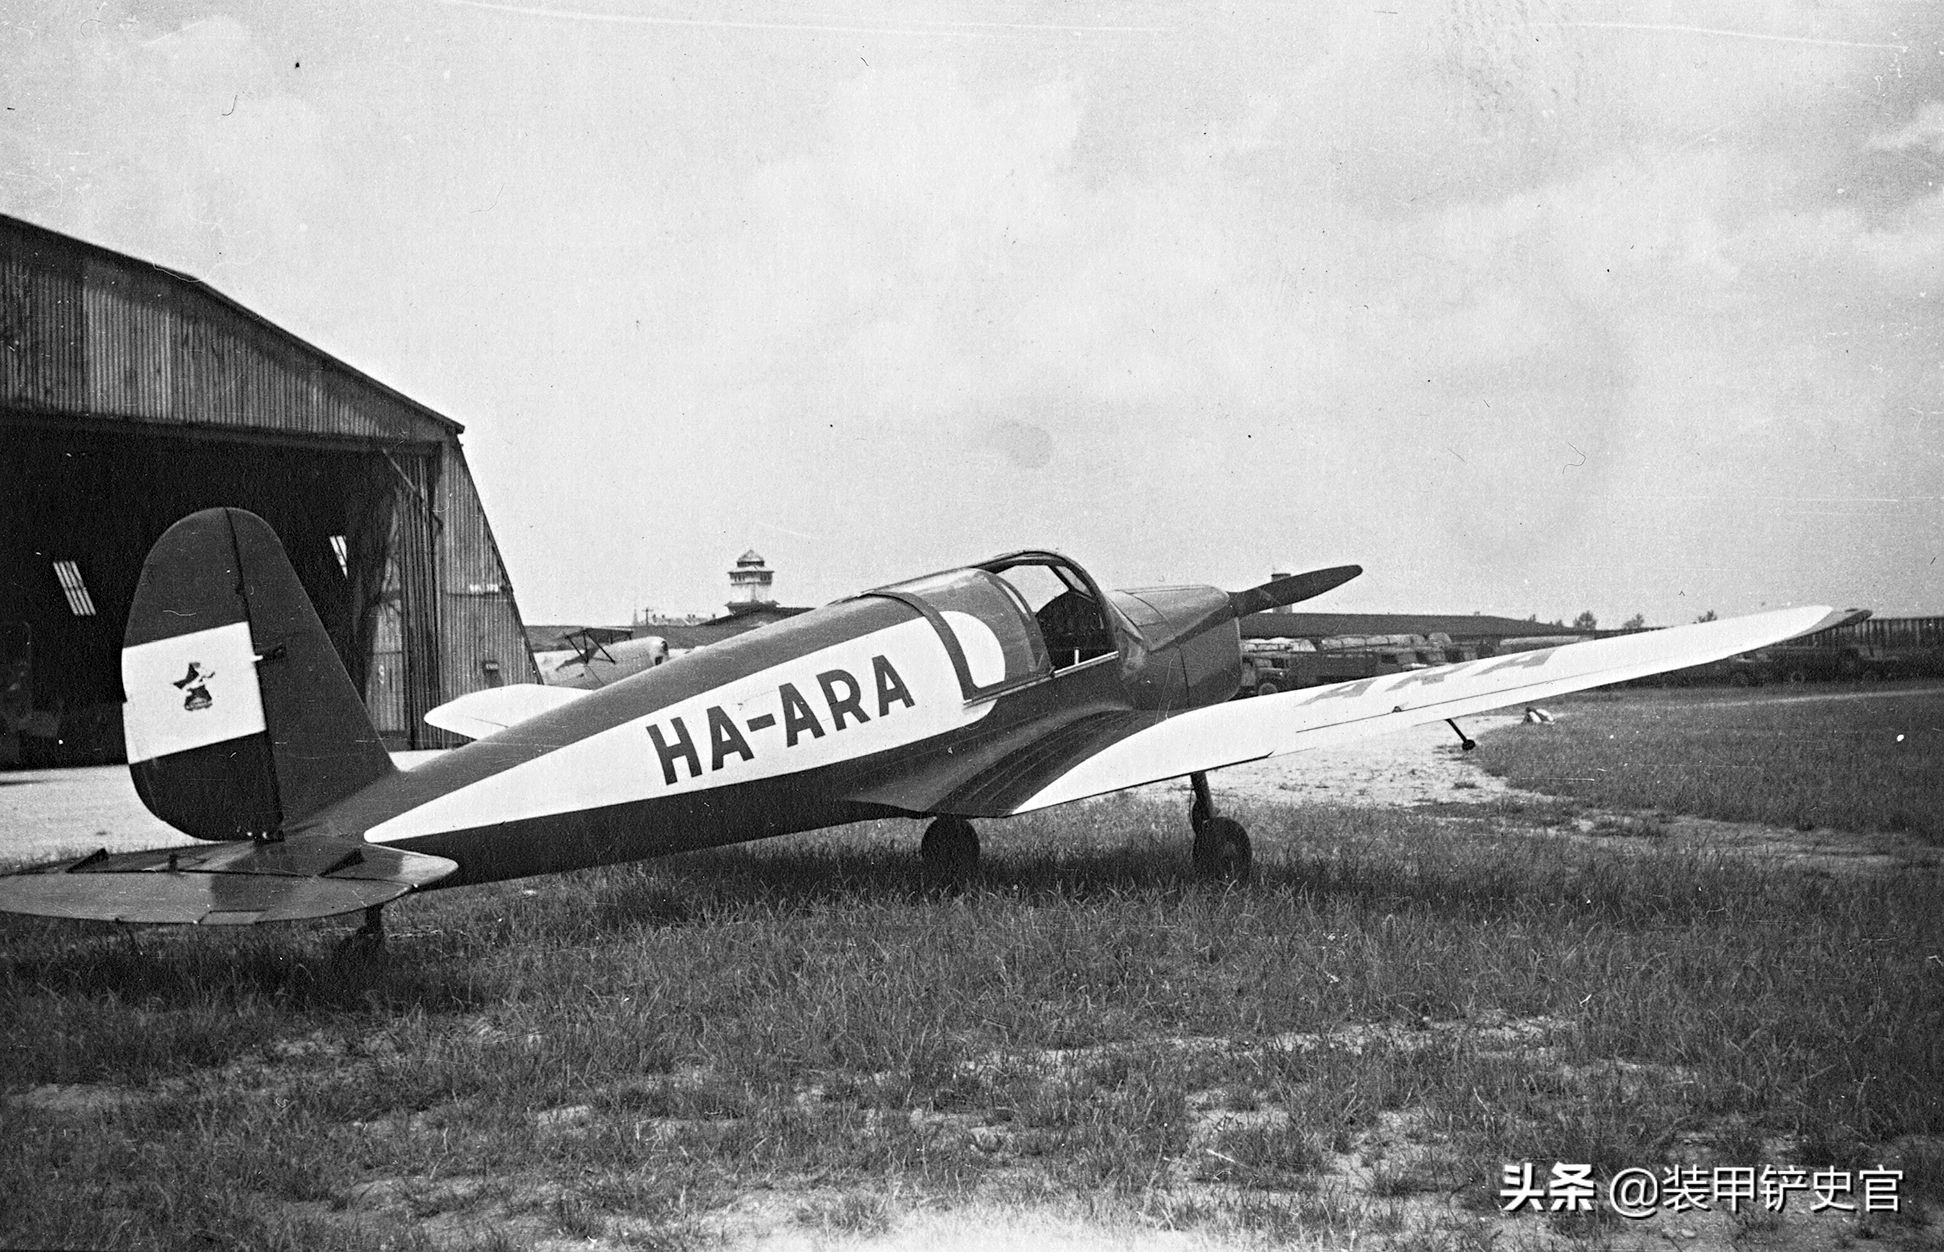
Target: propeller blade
1281 591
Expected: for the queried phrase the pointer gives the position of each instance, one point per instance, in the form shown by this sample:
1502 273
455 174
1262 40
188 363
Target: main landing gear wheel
950 849
1222 851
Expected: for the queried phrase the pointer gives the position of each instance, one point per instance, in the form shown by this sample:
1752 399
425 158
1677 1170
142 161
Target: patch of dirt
1493 1028
1396 1181
978 1227
1820 850
76 1098
1421 765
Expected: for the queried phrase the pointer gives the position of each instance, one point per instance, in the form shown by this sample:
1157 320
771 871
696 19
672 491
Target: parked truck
1818 663
1288 664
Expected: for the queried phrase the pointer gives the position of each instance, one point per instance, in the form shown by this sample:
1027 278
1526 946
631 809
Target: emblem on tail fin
196 684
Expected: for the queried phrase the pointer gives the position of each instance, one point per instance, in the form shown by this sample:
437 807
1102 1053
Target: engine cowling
1189 649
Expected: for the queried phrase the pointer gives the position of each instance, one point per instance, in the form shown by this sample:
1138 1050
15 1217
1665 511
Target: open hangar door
85 503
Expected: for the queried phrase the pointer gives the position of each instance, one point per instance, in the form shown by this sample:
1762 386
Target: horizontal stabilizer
234 883
478 714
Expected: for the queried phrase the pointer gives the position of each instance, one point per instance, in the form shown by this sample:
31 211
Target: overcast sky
1526 307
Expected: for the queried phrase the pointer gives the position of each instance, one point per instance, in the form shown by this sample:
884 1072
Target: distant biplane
981 692
602 655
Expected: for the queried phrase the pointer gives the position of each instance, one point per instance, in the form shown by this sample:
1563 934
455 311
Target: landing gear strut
1202 810
950 849
1222 852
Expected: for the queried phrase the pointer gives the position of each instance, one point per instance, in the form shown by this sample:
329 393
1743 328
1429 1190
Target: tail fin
240 718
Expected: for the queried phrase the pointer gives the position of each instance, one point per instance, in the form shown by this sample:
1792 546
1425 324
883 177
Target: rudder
239 716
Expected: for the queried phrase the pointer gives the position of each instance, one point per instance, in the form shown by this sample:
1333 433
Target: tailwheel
1222 851
367 941
950 849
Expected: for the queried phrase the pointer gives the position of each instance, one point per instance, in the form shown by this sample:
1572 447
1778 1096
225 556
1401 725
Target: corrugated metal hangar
131 396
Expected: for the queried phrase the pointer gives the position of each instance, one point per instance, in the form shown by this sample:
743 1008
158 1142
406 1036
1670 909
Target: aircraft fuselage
943 695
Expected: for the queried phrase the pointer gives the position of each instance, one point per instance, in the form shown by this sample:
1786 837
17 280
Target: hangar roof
1323 625
93 334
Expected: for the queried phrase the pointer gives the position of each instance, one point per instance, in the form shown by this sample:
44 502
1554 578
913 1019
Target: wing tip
490 710
1829 618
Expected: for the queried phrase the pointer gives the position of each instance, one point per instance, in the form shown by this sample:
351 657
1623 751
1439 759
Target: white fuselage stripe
880 691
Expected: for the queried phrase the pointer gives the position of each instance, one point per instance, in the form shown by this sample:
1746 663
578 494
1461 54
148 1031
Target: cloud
189 151
1461 286
1485 361
1023 444
1926 130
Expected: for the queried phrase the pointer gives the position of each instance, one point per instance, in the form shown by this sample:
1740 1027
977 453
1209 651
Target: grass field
1870 759
800 1040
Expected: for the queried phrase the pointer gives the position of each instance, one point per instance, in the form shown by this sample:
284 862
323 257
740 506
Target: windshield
1062 604
985 622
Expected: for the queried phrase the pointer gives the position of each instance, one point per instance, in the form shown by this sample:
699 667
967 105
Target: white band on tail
190 691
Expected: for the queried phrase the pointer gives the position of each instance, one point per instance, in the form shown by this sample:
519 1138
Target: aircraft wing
1249 730
230 883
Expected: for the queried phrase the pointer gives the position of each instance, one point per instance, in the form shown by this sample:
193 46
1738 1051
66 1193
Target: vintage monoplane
982 692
